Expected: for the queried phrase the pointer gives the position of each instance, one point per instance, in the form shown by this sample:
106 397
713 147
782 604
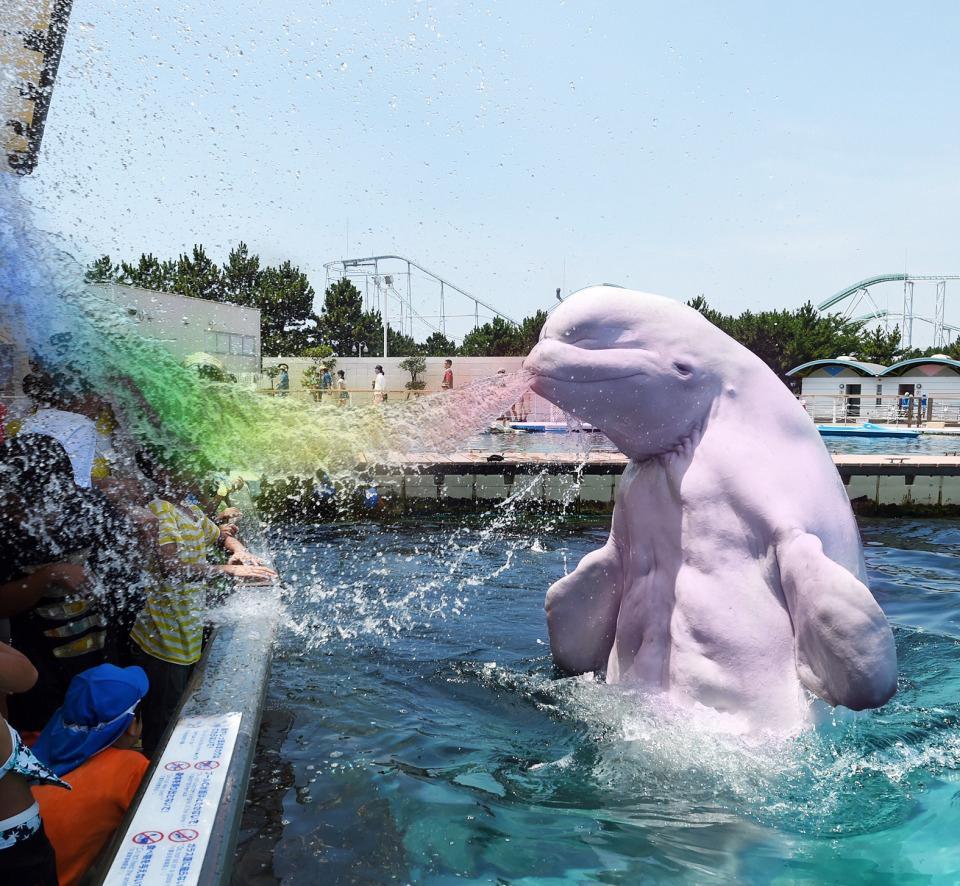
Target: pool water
431 741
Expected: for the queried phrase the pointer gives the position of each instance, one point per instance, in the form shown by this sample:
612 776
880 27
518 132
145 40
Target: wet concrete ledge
231 677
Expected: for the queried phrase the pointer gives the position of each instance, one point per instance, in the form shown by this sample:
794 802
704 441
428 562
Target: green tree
785 339
400 344
416 366
498 338
196 275
101 270
287 321
345 326
148 273
881 346
438 345
529 332
241 276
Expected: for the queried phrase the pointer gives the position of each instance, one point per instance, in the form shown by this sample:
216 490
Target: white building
184 325
187 326
847 389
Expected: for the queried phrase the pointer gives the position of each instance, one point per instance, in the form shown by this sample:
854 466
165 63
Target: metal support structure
938 312
906 326
853 296
383 293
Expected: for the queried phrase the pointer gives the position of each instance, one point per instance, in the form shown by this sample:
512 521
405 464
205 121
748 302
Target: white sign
167 839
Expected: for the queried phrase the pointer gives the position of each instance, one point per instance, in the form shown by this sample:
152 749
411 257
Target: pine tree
101 270
287 321
196 275
241 276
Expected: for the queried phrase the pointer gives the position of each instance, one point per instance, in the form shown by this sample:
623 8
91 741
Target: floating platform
867 429
550 427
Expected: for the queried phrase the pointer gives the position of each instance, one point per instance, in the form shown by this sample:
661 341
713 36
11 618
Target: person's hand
260 575
229 514
229 529
71 576
245 558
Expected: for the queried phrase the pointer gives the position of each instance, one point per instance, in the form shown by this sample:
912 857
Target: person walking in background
283 381
326 382
343 395
379 385
447 382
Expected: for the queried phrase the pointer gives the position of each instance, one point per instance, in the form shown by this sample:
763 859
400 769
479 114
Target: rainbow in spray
196 422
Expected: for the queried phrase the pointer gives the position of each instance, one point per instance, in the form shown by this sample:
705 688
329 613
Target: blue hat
97 710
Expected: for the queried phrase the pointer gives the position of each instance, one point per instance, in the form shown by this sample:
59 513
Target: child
26 855
168 633
89 741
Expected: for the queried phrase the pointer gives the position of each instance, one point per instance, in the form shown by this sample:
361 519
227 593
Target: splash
200 423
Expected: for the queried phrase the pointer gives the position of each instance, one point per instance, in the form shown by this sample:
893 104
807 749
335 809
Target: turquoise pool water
431 741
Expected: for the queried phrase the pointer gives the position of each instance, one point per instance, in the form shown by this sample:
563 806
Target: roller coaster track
861 290
881 278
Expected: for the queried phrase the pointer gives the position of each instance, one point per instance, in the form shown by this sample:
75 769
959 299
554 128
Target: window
233 343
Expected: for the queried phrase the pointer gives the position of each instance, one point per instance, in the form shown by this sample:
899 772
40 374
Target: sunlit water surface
431 741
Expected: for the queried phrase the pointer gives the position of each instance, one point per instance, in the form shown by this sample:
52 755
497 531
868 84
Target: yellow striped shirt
170 625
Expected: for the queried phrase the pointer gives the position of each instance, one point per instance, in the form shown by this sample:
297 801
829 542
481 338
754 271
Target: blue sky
761 154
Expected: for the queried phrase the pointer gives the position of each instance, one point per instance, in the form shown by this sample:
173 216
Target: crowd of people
108 552
334 389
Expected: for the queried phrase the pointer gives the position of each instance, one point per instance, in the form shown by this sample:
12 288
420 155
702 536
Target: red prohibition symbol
183 835
206 764
145 838
177 766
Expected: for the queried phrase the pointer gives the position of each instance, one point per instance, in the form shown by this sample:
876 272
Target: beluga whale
733 577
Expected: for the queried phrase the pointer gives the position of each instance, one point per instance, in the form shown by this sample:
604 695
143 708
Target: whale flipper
582 610
844 647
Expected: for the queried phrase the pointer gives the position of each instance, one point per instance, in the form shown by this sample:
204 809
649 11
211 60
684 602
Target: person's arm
17 674
22 593
240 554
175 568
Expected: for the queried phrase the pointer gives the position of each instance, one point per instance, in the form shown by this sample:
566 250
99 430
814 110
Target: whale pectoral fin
582 610
844 646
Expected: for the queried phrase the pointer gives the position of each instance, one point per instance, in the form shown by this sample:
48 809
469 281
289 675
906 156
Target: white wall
359 377
359 370
187 325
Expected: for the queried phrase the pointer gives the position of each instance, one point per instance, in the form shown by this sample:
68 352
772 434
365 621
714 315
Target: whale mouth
572 364
573 380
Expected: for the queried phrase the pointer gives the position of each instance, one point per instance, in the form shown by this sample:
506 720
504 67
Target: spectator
168 633
447 383
343 395
68 562
89 742
55 417
283 380
326 382
26 855
379 385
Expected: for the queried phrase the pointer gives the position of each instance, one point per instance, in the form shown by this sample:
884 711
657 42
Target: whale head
642 368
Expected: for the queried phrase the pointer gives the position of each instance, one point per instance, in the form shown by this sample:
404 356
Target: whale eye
682 369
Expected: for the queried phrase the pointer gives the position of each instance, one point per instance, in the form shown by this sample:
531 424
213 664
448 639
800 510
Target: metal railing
895 409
